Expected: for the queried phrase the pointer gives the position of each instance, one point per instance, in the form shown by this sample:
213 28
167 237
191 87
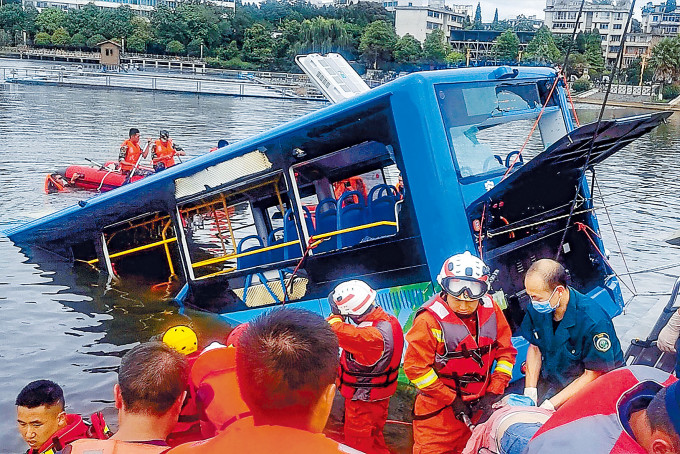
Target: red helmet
464 276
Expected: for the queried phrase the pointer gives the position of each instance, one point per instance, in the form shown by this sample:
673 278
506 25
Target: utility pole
201 51
467 57
643 65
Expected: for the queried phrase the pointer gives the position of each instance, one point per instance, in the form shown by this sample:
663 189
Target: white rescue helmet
464 276
353 297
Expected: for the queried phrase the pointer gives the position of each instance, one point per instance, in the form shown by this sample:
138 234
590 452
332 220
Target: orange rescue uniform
129 155
164 152
243 437
442 432
366 407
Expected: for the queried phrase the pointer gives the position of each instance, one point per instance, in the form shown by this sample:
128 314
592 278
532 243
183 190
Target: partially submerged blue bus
382 187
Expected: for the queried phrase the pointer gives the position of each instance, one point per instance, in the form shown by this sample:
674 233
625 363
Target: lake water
73 327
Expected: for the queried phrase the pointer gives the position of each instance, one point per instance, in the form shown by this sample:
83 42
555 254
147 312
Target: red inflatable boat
94 177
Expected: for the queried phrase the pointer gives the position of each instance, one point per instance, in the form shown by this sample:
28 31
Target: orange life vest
377 381
213 378
75 429
132 155
164 152
466 364
114 447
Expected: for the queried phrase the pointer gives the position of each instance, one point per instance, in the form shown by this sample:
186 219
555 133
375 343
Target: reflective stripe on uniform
425 380
504 366
437 333
334 320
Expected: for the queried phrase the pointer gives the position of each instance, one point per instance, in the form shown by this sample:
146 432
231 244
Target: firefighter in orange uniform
455 339
130 151
163 152
369 364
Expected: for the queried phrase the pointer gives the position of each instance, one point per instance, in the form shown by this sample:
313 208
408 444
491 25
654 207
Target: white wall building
657 21
609 19
419 21
145 7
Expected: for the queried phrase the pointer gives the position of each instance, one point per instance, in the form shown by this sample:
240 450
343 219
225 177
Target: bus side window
240 228
350 200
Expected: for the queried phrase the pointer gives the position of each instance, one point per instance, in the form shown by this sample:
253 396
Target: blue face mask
544 307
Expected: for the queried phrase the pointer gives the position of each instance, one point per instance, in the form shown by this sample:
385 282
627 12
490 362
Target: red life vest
132 155
590 421
466 364
377 381
164 152
75 429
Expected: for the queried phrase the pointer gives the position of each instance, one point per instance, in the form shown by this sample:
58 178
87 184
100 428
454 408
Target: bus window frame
389 152
241 188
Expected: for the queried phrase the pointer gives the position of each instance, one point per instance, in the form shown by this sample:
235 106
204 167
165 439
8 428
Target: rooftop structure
608 17
480 42
419 21
660 19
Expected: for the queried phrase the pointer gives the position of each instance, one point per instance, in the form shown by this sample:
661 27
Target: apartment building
660 19
419 21
609 18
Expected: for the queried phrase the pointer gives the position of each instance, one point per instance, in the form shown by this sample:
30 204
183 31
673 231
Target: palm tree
666 60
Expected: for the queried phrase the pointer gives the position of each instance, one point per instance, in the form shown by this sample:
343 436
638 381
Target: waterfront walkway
235 83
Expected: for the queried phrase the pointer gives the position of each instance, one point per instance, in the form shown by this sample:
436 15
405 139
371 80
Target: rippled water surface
71 326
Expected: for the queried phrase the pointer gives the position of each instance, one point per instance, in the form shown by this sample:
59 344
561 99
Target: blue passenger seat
351 213
276 255
249 260
326 221
290 233
381 202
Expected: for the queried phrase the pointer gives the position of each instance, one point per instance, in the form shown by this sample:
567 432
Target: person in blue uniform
572 338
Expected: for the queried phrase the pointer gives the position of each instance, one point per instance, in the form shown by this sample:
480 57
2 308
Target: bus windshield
486 123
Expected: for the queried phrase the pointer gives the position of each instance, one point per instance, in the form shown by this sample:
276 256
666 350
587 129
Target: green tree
258 46
435 47
478 17
594 55
407 49
117 22
542 48
635 68
42 39
93 40
61 37
377 42
78 40
86 20
322 35
174 48
228 52
14 19
50 19
141 35
5 38
194 48
666 60
454 57
506 46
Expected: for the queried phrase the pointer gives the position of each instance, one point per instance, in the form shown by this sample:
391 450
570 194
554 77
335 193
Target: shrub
581 85
174 47
93 40
42 39
671 91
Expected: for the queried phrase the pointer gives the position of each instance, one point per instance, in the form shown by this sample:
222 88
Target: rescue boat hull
94 178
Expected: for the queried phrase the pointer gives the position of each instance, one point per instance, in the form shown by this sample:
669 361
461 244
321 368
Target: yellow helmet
181 338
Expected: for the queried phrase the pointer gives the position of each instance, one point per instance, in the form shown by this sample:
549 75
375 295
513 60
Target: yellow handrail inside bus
242 254
137 249
289 243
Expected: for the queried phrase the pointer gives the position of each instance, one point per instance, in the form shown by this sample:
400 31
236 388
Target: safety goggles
470 288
